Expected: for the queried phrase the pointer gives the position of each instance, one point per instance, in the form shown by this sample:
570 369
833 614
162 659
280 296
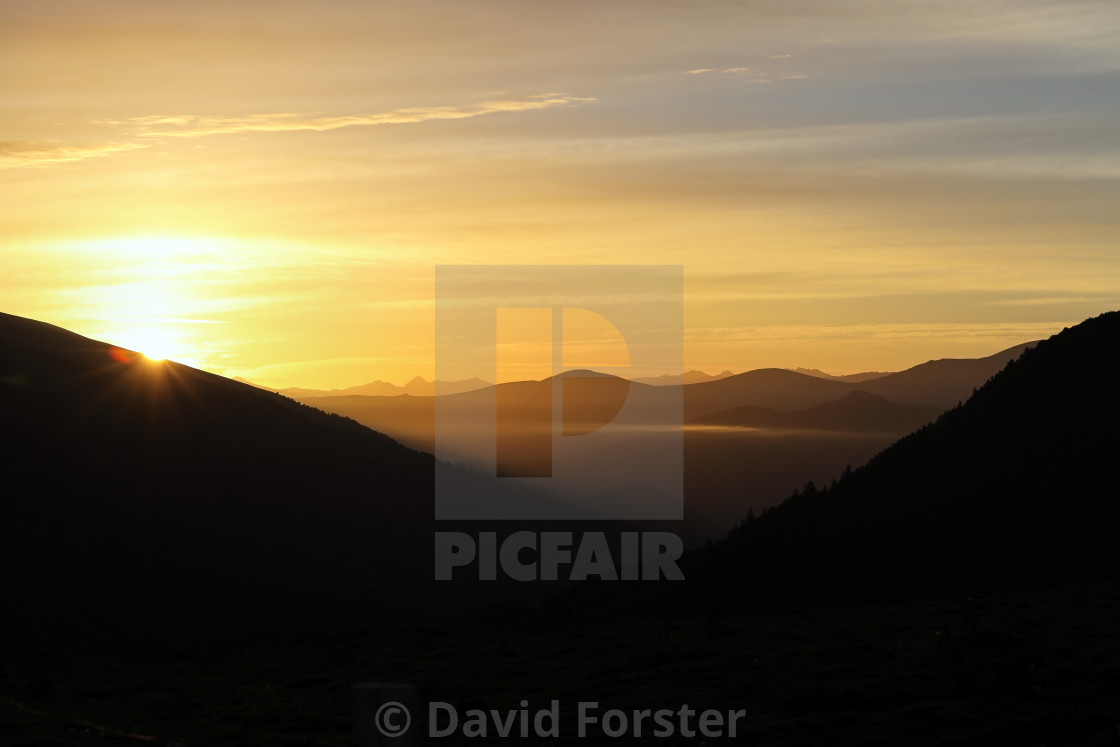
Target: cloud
745 72
14 155
22 154
190 126
728 71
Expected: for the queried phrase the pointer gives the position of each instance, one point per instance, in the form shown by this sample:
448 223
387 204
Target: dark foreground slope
1011 490
149 499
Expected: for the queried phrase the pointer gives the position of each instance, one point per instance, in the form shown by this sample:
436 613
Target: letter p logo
562 344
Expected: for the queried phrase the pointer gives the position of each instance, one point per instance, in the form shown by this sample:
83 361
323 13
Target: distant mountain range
416 387
728 470
855 378
939 383
854 412
920 392
421 387
688 377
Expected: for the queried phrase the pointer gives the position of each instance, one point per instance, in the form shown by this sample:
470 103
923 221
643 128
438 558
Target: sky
264 189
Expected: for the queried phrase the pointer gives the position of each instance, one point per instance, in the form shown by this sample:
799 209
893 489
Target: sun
155 343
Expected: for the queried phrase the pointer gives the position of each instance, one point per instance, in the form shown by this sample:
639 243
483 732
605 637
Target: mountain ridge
855 378
855 411
147 499
1007 490
417 386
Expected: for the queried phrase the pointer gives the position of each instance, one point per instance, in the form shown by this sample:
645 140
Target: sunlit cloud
190 126
746 74
724 71
15 155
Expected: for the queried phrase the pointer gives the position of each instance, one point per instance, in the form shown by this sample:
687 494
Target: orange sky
265 189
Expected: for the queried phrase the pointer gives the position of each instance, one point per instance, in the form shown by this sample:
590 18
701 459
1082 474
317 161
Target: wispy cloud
191 126
746 73
724 71
14 155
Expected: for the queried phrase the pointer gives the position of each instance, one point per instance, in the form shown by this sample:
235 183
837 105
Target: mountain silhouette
943 382
688 377
418 386
854 412
726 472
371 389
148 500
142 494
855 378
935 384
421 387
1011 489
775 388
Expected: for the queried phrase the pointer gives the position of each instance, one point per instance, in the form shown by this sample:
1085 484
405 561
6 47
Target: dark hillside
142 496
1012 489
